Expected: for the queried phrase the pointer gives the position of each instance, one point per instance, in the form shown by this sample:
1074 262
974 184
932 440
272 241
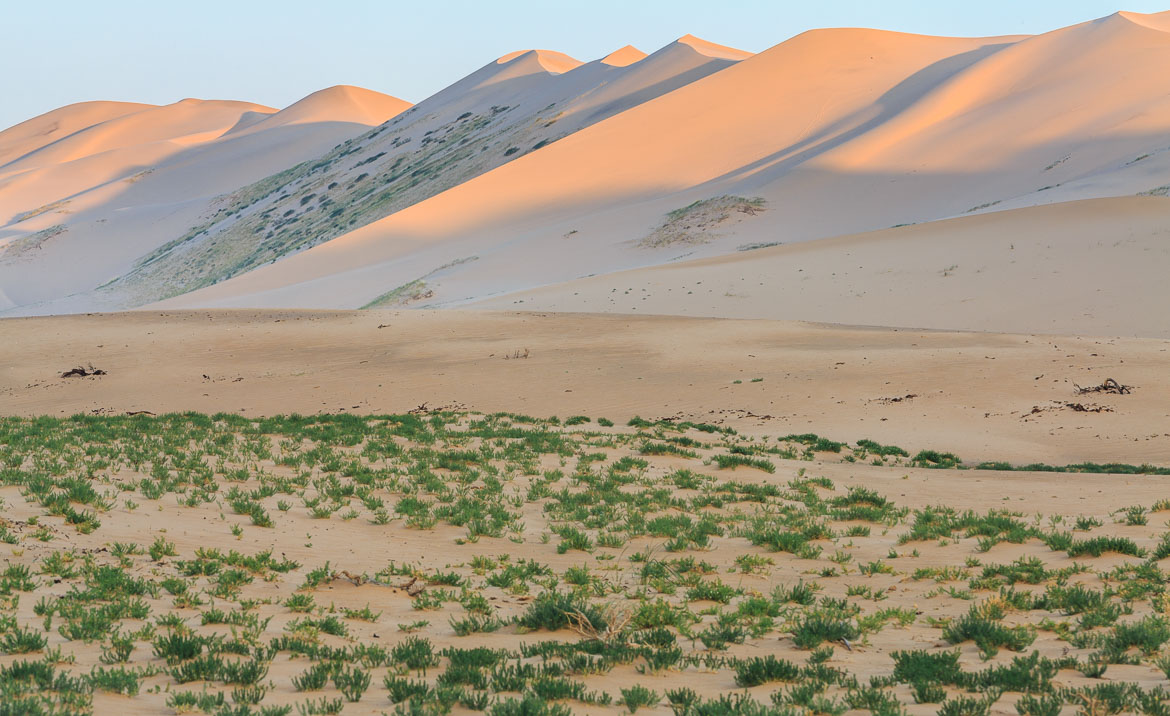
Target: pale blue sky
276 52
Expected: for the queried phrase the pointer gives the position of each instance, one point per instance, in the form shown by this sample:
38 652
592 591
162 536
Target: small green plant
763 670
638 696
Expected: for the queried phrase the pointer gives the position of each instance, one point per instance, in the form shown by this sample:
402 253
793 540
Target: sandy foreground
296 553
980 396
343 575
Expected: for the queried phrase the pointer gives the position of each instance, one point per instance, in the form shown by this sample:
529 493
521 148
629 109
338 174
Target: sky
274 53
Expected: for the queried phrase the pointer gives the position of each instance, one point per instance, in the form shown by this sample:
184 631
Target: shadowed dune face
538 174
838 131
1090 267
115 181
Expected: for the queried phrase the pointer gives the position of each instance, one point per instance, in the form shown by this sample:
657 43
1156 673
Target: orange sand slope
87 189
507 102
839 131
538 170
1091 267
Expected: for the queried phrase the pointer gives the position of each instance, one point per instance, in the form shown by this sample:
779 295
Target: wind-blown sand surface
538 169
1091 267
974 393
859 130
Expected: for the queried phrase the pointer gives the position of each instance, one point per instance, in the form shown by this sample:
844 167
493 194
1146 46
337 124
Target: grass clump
763 670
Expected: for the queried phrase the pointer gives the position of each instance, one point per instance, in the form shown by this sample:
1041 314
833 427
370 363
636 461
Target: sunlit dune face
713 50
550 60
624 57
1156 21
538 159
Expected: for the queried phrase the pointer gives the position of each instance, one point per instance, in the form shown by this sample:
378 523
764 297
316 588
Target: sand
289 360
941 244
889 129
974 393
116 181
1089 267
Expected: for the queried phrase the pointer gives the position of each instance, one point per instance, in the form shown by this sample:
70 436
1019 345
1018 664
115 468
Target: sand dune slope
538 169
623 162
82 208
1090 267
112 149
341 103
31 135
838 131
511 108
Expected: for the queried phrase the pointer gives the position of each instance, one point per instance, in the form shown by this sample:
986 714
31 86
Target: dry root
616 621
1109 386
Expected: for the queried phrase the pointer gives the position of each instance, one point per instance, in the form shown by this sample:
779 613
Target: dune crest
550 60
623 57
340 103
711 49
1156 21
32 134
536 171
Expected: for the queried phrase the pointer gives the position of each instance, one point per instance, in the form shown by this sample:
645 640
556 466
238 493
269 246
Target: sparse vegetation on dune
361 180
699 221
675 577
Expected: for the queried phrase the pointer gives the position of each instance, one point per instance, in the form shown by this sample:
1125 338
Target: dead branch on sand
616 622
1109 386
82 372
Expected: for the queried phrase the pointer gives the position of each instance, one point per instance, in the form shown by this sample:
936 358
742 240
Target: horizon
107 44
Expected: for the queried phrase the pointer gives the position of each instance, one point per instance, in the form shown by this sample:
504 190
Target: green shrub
989 635
638 696
551 610
912 667
818 627
732 461
762 670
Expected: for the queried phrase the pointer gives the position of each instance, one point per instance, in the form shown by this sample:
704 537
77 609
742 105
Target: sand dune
623 56
711 49
28 136
81 209
896 128
508 109
112 149
538 170
1089 268
625 158
341 103
185 121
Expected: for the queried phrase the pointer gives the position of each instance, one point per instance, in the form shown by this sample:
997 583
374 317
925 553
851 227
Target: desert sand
829 379
314 540
115 182
539 170
974 392
901 129
1089 267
